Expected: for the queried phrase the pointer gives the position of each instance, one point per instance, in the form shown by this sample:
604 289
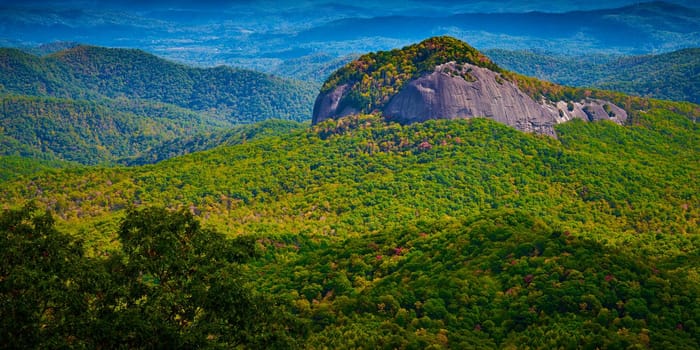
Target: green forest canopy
446 234
96 105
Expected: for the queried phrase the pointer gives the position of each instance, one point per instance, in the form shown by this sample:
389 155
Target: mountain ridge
625 28
86 71
147 100
672 75
263 40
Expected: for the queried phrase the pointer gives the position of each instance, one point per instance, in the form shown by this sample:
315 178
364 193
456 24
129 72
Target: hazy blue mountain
264 35
631 29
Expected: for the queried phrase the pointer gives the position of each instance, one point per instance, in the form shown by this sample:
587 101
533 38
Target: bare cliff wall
466 91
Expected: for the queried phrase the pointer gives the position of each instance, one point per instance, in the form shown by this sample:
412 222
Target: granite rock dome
444 78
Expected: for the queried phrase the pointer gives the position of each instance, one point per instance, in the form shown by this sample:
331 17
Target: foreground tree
174 285
44 282
178 285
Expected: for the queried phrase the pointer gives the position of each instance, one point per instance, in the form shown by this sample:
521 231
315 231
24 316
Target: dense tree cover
667 76
96 105
313 68
12 167
88 72
501 279
205 141
430 168
10 146
172 285
375 77
90 132
444 234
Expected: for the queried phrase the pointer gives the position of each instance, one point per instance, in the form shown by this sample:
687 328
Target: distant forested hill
88 72
91 104
89 132
673 76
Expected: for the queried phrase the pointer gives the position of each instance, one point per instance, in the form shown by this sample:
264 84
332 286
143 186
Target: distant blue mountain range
264 35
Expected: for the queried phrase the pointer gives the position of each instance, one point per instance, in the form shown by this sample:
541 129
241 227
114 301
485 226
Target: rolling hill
672 76
87 72
92 104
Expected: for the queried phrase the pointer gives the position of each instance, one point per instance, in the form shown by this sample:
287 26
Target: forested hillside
90 132
444 234
673 76
12 167
205 141
88 72
93 105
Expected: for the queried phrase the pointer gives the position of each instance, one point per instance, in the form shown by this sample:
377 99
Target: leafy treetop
375 77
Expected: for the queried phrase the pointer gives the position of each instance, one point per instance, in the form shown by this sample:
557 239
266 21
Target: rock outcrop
327 106
464 90
468 91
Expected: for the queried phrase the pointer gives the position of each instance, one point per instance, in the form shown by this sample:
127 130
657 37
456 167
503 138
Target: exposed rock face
470 91
328 105
465 91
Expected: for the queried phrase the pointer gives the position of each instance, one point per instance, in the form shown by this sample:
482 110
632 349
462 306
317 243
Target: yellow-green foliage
450 233
375 77
362 172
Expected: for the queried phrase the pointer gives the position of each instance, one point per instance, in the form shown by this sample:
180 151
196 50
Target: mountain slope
444 78
12 167
501 279
202 142
92 105
88 72
454 232
92 132
335 166
671 75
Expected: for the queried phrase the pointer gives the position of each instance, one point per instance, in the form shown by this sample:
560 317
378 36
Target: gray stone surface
466 91
327 105
446 94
